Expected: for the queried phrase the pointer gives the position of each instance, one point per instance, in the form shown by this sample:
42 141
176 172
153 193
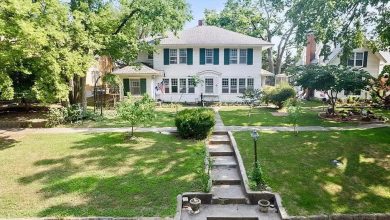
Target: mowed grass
96 174
165 117
262 116
300 169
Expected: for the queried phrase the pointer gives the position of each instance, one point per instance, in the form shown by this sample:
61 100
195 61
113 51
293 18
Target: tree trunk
82 92
270 60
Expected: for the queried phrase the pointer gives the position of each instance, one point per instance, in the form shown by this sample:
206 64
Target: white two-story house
227 63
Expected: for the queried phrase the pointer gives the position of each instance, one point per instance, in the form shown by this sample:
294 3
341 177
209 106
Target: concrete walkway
173 129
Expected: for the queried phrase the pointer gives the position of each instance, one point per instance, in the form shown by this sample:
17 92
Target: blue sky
198 7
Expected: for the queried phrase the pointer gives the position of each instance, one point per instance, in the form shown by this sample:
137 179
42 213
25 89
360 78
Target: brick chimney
200 22
310 48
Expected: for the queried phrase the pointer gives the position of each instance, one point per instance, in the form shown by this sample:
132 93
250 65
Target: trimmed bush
195 123
277 95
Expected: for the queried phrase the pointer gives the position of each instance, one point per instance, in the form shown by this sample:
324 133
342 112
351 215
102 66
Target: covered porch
137 80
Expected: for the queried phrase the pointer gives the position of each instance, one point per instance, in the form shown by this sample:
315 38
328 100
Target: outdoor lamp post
255 137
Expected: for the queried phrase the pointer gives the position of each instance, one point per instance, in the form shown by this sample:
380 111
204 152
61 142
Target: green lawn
165 117
300 169
96 174
261 116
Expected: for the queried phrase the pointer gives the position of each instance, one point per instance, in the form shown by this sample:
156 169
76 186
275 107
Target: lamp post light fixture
255 136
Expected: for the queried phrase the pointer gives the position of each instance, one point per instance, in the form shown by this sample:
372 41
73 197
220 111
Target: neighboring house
226 62
361 58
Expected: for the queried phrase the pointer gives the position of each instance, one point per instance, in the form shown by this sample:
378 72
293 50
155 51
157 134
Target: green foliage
195 123
71 114
136 112
278 94
257 175
68 35
6 89
295 112
203 171
330 79
341 21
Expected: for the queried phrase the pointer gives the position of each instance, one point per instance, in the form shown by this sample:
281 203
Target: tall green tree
50 44
346 22
264 19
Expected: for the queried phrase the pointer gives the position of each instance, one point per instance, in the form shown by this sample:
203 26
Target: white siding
217 72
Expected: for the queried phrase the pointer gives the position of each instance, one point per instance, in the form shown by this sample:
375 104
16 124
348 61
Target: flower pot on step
264 205
195 205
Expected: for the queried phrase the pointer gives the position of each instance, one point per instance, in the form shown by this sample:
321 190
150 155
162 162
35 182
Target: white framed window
250 83
241 85
191 86
356 59
172 56
209 53
225 85
166 85
233 56
174 85
183 56
209 85
183 86
135 86
243 56
233 85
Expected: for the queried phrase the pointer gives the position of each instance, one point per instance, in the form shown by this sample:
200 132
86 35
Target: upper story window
172 56
183 56
233 56
243 56
209 56
356 59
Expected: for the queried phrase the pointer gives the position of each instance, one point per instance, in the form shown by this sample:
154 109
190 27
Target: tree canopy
48 45
330 79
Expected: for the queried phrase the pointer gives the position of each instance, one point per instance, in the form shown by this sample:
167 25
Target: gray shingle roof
385 55
139 69
211 35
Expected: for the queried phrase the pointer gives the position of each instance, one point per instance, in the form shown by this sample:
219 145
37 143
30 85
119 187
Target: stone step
219 139
223 161
225 176
228 194
220 150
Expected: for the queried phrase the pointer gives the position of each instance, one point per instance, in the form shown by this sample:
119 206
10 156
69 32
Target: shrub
56 116
195 123
72 114
278 94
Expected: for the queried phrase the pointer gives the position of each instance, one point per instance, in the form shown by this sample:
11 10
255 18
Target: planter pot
264 205
195 205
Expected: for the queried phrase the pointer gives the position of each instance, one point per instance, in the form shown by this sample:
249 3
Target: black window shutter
249 60
202 56
226 56
216 56
166 56
143 85
365 59
190 56
126 86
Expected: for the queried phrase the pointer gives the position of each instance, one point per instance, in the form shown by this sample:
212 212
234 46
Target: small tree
249 97
136 112
330 79
294 110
